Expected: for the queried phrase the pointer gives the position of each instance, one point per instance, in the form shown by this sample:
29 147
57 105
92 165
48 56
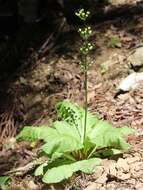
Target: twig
24 169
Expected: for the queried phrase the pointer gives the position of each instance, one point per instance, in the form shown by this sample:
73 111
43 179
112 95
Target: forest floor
57 76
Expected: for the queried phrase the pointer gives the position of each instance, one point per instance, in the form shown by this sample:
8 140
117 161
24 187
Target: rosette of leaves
64 146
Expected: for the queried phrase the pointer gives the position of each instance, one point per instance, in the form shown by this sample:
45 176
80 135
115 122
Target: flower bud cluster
82 14
86 48
85 32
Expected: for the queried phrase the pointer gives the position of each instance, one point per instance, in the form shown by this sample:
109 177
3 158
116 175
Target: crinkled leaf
104 135
67 140
37 133
63 138
74 115
64 143
124 131
66 129
57 174
87 166
71 113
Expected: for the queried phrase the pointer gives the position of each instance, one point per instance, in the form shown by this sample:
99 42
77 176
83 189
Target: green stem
70 157
86 103
85 97
92 152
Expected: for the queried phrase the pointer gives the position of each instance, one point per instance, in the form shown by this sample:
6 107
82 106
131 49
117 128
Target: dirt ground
57 76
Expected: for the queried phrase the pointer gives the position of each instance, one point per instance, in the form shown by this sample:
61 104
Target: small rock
110 186
123 176
102 188
98 172
112 169
94 186
131 82
131 181
32 185
139 186
133 159
107 164
122 163
136 58
102 179
137 166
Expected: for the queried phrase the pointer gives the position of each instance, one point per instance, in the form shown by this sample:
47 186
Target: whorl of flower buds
82 14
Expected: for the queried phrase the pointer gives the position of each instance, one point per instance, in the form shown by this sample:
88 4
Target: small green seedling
104 68
115 42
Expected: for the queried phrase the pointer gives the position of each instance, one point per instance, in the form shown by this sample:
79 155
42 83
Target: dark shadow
14 47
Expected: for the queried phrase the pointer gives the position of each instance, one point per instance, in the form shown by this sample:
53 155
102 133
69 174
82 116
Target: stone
136 58
122 163
102 179
112 169
131 82
123 176
133 159
31 185
139 186
137 166
110 186
131 181
94 186
99 171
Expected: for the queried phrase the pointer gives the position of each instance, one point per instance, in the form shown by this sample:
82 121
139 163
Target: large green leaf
37 133
66 129
104 135
87 166
40 169
58 142
62 144
57 174
70 113
124 131
75 116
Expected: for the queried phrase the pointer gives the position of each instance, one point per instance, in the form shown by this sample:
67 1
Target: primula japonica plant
78 140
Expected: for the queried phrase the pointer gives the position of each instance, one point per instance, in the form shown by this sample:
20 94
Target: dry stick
24 169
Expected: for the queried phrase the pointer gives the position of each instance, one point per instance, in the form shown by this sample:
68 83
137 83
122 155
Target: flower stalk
85 33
